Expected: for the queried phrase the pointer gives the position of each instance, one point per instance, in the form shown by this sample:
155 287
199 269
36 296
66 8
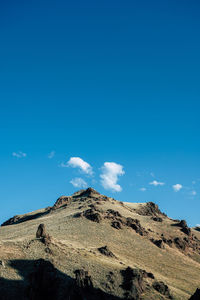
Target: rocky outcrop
184 227
133 283
92 215
180 243
162 288
43 235
149 209
62 201
158 243
89 192
106 251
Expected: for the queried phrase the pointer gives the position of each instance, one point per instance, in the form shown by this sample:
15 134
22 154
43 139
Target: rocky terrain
89 246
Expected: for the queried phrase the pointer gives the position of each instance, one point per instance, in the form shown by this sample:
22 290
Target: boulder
106 251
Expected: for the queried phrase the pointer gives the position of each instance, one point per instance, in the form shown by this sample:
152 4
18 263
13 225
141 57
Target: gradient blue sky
107 81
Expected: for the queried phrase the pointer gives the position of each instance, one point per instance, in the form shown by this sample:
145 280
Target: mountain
89 246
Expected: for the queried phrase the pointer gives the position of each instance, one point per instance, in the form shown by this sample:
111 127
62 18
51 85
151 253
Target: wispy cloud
177 187
79 182
51 154
110 175
143 189
156 183
77 162
19 154
193 193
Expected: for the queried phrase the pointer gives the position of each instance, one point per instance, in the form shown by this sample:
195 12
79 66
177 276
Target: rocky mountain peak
89 192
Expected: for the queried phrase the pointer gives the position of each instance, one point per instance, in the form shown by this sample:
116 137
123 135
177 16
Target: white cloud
19 154
51 154
198 225
77 162
79 182
193 193
156 183
109 177
143 189
177 187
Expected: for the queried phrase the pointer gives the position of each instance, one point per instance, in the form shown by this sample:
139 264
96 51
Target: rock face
196 295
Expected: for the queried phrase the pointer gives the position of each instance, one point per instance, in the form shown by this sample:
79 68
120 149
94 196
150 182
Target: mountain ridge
127 250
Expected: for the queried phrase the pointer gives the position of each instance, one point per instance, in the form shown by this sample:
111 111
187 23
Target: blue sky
107 82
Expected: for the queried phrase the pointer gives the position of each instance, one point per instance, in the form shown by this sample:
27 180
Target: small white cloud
143 189
109 177
51 154
77 162
198 225
156 183
177 187
19 154
193 193
79 182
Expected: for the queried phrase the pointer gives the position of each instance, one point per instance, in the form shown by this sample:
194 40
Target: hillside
94 247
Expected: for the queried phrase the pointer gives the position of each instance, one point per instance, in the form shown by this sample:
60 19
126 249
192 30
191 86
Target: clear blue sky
106 81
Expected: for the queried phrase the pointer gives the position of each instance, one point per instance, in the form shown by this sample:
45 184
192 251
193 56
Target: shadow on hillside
41 280
15 220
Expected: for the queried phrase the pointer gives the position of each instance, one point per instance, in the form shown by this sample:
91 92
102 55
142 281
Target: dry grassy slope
75 242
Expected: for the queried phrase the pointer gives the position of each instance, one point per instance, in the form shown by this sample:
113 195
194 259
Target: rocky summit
89 246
